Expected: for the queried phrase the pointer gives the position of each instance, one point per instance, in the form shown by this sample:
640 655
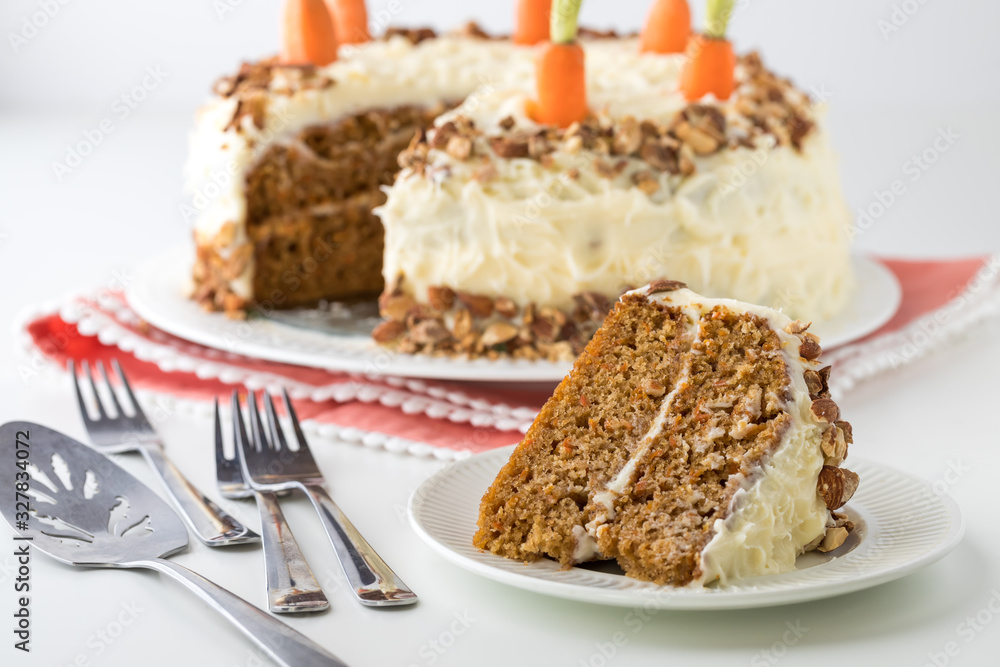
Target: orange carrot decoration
711 62
559 71
350 18
667 28
309 33
533 17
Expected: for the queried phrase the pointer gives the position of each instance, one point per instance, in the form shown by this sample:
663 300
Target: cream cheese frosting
777 512
764 224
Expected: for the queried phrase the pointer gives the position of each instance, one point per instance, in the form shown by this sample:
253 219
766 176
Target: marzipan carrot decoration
667 28
350 18
533 17
309 33
711 62
559 71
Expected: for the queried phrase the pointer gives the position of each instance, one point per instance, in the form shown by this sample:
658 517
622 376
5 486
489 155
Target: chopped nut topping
497 333
396 306
810 349
388 331
505 307
440 298
459 147
834 537
825 410
664 286
836 486
479 306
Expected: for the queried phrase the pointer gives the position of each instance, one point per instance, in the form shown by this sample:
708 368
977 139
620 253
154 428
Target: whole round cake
416 166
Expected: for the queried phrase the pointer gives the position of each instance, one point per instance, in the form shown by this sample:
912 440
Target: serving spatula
79 507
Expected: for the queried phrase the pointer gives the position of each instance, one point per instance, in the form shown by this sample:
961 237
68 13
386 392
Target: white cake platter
337 338
901 525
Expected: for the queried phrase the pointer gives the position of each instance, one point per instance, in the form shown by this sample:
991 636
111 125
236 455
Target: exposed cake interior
682 445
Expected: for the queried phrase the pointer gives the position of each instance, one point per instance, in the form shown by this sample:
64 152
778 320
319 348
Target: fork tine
101 412
128 390
299 435
239 430
277 436
84 412
220 452
257 435
114 397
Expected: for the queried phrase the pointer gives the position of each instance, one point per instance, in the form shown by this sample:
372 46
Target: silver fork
291 586
283 468
123 433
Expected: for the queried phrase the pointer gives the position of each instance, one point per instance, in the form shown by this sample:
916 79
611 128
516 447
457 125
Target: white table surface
934 416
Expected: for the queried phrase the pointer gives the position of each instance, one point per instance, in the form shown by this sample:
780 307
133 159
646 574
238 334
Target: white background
890 94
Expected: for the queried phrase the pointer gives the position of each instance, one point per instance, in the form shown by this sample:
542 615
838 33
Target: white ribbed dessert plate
338 338
902 525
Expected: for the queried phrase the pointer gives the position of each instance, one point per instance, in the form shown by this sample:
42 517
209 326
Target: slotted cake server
82 509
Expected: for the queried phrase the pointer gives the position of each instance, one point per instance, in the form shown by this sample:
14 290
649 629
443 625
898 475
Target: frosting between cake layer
778 511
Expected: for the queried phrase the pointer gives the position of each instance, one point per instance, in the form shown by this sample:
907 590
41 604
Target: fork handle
283 644
209 522
372 581
291 586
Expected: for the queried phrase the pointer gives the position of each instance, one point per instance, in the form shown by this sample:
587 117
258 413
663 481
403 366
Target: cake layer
689 443
271 122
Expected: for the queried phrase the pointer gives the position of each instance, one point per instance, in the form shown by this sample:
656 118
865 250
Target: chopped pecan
429 332
507 123
834 538
498 333
797 327
505 306
395 306
834 445
388 331
440 297
628 137
462 326
478 305
662 285
594 304
661 154
510 147
645 181
459 147
810 349
825 410
836 486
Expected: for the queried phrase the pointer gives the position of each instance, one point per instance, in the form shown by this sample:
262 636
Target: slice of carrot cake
694 440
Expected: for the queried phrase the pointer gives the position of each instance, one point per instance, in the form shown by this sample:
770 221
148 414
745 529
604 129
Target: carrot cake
694 440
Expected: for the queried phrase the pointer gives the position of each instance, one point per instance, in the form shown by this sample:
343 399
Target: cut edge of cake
695 440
